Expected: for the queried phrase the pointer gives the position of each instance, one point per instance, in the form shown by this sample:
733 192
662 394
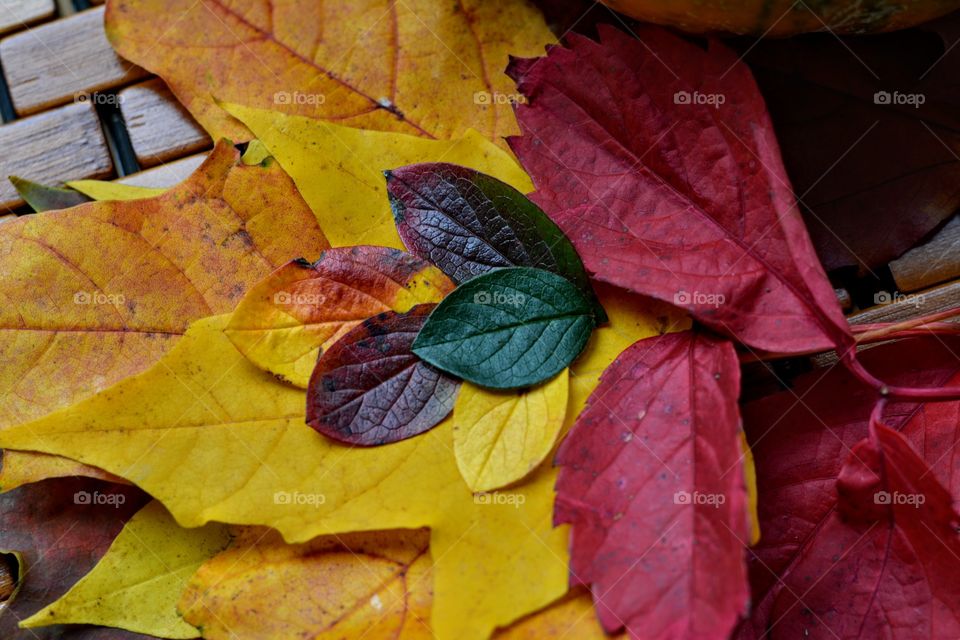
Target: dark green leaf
509 328
468 223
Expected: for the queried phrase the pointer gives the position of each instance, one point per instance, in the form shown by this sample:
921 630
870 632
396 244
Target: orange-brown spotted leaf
301 309
374 585
421 67
96 293
370 389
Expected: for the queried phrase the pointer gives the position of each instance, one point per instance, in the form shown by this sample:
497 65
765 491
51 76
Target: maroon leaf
653 485
658 160
836 559
59 537
370 389
870 132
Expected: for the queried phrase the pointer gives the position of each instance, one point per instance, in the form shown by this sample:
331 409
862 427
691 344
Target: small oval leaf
468 223
301 309
370 389
507 329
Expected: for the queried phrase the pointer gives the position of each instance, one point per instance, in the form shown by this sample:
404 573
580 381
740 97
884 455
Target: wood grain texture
62 61
62 144
19 14
165 175
937 260
160 128
913 305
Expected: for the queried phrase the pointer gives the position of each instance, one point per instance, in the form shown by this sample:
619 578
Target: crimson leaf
370 389
658 160
850 568
652 482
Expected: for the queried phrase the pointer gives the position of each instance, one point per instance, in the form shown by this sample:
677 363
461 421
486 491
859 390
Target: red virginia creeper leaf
60 528
652 482
658 160
814 550
370 389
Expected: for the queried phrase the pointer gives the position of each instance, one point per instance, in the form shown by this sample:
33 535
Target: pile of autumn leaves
442 335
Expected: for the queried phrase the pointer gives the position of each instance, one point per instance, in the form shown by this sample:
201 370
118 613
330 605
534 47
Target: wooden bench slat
160 128
59 61
63 144
165 175
938 260
19 14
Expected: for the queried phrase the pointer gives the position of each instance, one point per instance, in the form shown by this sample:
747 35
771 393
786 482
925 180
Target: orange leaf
304 308
419 67
374 585
99 292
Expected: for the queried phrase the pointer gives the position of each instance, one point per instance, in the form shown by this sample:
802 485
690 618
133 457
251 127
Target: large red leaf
658 160
59 529
653 485
824 570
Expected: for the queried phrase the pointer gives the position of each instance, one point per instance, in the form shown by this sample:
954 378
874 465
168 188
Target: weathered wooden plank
19 14
937 260
165 175
160 128
63 144
60 61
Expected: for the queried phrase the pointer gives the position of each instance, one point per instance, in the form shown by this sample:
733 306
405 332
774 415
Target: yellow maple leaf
215 438
137 583
423 67
339 170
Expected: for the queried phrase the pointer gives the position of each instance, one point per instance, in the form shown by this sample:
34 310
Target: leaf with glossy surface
501 436
468 223
370 64
652 483
138 581
370 389
659 162
297 312
339 170
509 328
